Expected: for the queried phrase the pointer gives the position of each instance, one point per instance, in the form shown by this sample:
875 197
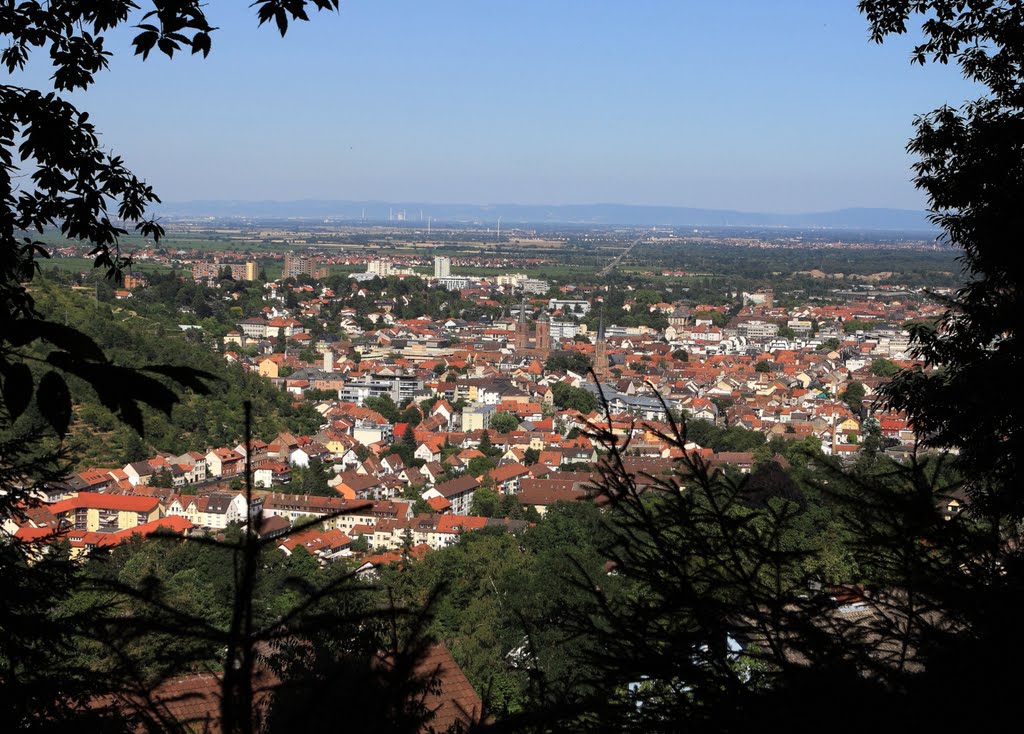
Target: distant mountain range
524 214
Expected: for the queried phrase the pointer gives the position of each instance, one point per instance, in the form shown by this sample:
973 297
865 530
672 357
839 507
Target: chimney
328 361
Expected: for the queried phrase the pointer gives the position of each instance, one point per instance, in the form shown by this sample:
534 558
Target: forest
139 335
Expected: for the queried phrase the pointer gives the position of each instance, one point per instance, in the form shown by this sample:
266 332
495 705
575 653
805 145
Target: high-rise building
442 266
381 268
212 270
296 265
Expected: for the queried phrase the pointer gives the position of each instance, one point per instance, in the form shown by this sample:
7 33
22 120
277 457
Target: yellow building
107 512
477 417
848 426
269 368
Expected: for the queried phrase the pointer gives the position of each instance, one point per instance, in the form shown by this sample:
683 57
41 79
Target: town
449 402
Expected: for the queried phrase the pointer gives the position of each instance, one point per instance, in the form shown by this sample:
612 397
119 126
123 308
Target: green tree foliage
385 406
735 438
162 479
312 479
504 422
722 403
714 619
409 439
420 506
196 422
717 318
699 601
486 503
480 465
170 607
568 362
487 447
882 367
70 633
853 325
969 166
411 414
406 451
573 398
853 396
502 608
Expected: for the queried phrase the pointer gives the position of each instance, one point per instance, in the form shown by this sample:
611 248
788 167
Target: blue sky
739 104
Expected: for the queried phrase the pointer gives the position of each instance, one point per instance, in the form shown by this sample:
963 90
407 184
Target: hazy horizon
598 214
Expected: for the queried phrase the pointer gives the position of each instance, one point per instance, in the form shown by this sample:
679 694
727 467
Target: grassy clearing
86 265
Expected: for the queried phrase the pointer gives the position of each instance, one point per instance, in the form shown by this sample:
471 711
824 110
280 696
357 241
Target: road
621 256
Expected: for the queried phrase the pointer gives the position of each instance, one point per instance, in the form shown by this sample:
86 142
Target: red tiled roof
508 471
460 523
439 504
549 494
457 486
169 524
118 502
28 534
315 539
453 702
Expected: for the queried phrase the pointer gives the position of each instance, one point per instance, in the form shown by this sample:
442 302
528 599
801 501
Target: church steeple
522 341
601 349
541 338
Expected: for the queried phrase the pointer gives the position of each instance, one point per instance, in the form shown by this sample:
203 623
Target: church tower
542 336
601 351
522 339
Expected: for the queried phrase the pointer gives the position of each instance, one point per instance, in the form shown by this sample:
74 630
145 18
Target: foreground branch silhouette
715 609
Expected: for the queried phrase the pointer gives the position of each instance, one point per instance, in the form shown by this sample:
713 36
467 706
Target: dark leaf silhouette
23 331
54 401
17 388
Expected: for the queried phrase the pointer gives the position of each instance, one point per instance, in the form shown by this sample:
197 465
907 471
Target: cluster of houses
492 411
781 371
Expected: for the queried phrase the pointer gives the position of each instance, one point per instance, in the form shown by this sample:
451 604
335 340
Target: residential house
272 474
458 491
224 463
507 477
107 512
325 545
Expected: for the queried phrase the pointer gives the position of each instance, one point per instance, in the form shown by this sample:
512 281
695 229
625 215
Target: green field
85 265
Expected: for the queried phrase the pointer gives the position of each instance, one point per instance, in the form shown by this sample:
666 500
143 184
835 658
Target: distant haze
524 214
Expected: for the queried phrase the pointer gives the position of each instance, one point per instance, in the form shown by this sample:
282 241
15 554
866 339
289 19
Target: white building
574 306
442 266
